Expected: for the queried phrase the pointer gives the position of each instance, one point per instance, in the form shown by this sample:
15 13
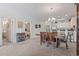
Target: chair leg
41 41
47 44
66 45
58 43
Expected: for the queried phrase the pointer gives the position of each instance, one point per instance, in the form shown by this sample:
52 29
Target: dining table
49 37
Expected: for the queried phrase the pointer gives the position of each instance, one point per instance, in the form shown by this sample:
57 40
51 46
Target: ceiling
37 11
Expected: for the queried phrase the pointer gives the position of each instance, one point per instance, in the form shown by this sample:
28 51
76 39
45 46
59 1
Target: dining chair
42 37
63 37
51 38
71 36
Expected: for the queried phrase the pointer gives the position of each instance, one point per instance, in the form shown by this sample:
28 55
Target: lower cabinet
20 37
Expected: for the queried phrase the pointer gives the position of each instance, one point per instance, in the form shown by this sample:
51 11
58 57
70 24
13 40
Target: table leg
70 38
58 43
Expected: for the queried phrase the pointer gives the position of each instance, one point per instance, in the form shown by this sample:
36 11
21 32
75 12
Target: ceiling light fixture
53 18
49 19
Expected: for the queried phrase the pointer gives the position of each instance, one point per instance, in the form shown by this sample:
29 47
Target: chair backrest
63 34
71 32
66 34
43 35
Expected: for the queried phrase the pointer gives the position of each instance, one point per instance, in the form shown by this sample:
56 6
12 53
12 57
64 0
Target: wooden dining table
49 36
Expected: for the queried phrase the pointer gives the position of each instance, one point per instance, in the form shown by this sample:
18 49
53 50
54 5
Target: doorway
27 30
5 33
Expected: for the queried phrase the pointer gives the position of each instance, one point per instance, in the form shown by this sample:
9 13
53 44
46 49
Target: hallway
32 47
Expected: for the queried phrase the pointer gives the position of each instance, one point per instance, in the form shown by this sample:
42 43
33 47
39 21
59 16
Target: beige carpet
32 47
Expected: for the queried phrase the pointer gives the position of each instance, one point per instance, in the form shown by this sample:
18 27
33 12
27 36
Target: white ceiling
37 11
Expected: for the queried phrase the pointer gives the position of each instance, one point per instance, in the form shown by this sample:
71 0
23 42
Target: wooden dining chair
51 38
42 37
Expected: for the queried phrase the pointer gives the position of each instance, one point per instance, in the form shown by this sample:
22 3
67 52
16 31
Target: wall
0 31
34 31
14 29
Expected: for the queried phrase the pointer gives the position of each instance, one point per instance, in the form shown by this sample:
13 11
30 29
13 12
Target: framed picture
20 24
38 26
